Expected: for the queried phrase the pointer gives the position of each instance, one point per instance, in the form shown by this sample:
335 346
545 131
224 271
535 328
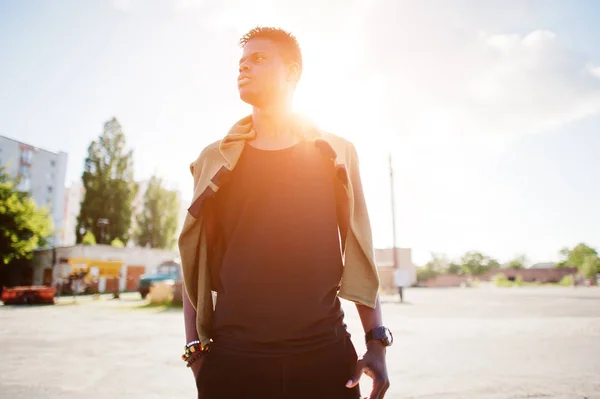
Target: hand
372 363
196 366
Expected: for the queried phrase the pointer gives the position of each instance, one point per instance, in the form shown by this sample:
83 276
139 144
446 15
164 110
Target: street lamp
102 223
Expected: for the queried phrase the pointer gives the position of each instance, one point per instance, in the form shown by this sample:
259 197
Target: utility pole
392 198
398 279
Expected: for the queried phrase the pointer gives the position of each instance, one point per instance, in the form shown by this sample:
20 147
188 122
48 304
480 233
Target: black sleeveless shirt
282 263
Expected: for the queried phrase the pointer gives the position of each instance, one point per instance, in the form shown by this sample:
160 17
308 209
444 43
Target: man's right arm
191 333
189 316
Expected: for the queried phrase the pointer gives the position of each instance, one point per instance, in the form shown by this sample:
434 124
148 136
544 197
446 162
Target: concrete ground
450 343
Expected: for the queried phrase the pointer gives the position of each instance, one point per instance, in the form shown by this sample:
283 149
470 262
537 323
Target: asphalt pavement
449 343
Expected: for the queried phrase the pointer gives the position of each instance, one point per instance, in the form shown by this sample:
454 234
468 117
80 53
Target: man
278 228
401 280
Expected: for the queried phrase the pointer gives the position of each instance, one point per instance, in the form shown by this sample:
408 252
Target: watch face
385 335
388 337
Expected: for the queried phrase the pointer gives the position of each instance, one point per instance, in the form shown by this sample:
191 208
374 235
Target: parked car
168 270
28 295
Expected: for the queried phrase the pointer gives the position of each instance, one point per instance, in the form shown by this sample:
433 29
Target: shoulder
344 149
335 139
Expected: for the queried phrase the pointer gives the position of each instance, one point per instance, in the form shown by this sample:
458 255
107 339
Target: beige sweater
360 281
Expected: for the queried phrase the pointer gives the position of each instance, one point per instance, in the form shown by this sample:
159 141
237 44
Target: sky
490 109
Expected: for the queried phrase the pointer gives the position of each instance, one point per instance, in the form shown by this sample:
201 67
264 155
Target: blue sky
491 108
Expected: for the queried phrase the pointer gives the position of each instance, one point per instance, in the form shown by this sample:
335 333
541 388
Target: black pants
320 374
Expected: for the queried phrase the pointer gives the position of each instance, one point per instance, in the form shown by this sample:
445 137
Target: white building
45 272
384 258
42 175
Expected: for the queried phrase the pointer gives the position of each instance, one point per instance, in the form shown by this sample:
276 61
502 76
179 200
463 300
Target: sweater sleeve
360 280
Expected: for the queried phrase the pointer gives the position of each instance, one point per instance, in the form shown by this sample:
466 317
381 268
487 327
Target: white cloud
527 84
476 82
594 71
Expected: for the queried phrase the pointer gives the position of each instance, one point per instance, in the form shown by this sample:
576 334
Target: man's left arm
372 363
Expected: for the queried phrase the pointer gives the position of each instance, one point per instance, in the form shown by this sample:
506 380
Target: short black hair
287 43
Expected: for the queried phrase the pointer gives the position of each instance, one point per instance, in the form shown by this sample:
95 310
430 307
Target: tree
106 208
436 266
576 256
590 267
475 263
518 262
454 268
157 223
23 226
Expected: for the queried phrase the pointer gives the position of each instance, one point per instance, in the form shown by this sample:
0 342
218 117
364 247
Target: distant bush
500 280
566 281
117 243
519 281
88 238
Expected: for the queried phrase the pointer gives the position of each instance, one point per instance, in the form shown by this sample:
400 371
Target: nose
244 67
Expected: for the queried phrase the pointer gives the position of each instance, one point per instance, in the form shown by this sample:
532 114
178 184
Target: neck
272 122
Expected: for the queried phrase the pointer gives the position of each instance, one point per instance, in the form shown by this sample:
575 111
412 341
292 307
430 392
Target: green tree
106 208
590 267
454 268
518 262
157 223
576 256
475 263
23 226
436 266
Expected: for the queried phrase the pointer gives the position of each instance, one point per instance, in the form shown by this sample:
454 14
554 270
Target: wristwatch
382 334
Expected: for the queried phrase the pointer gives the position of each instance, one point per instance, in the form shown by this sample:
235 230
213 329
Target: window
167 268
24 184
49 189
26 156
52 163
24 170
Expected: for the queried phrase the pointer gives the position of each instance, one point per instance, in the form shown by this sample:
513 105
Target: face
264 76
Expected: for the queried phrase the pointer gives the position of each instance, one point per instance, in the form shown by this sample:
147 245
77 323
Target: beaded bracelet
193 358
192 349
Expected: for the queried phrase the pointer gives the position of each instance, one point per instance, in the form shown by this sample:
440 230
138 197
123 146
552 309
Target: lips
242 80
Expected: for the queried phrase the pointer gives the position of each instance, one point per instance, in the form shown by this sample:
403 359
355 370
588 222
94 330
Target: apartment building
42 175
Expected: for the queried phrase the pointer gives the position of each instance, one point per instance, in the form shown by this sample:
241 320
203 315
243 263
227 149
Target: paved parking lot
452 343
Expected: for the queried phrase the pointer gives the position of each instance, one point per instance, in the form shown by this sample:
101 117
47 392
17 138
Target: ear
293 72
